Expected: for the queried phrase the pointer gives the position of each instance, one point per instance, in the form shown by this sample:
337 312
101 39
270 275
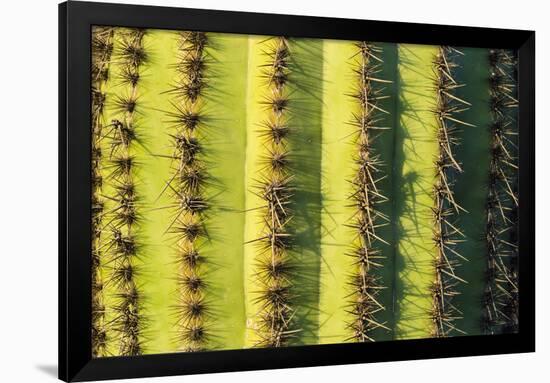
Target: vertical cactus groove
262 191
473 156
102 48
124 217
366 196
501 296
274 265
446 233
187 186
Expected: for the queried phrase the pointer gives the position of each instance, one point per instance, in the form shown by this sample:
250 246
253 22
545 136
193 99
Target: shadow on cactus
270 191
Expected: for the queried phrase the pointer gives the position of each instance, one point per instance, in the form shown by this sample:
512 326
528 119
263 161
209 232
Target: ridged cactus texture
502 200
366 196
446 232
269 191
186 187
102 47
124 213
276 312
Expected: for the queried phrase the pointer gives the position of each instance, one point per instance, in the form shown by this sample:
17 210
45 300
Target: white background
28 188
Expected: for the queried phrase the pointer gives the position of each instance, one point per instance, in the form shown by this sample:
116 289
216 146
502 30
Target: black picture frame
75 21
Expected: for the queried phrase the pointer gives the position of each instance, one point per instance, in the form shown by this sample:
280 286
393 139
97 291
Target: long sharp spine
366 197
445 211
501 294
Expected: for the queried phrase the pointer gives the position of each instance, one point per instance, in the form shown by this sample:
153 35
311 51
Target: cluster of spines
501 295
102 48
188 189
366 196
446 234
124 216
275 266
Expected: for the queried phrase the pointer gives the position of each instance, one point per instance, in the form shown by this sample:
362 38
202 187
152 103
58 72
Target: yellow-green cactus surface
314 88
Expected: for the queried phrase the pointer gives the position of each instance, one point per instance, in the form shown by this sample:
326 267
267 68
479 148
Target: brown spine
445 211
102 48
501 295
367 196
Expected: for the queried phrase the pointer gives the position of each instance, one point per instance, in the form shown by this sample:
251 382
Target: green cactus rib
283 201
501 296
275 190
343 64
473 155
415 144
221 133
102 48
224 145
305 115
337 169
186 187
366 196
446 233
158 276
122 215
385 146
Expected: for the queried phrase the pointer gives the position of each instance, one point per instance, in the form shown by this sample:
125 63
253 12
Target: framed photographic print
249 191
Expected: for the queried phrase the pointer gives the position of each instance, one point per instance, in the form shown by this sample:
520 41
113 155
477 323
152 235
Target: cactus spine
187 186
312 191
446 232
501 300
366 196
102 48
275 294
124 245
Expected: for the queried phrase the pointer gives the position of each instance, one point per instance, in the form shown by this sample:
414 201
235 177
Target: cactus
102 48
273 322
351 72
225 150
122 243
365 197
337 169
261 191
186 187
446 233
473 155
416 149
501 300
